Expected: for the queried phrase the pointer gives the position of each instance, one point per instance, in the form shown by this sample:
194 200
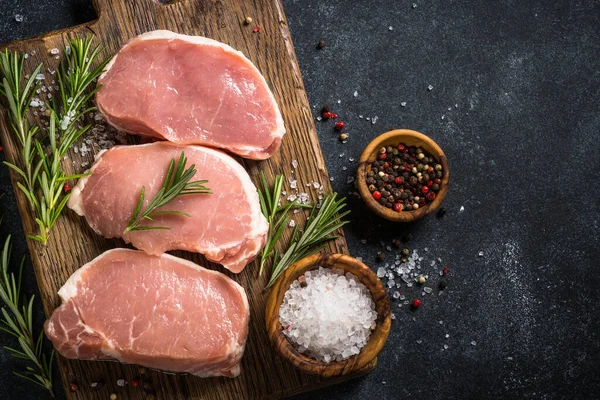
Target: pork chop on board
191 90
226 226
160 312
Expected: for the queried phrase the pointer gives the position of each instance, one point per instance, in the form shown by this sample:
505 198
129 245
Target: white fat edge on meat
75 202
201 40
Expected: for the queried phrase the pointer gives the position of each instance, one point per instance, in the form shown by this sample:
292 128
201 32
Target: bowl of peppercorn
403 175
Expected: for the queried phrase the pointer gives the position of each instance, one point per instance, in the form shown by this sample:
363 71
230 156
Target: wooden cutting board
73 243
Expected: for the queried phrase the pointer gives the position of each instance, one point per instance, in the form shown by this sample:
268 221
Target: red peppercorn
339 126
398 207
398 180
376 195
257 29
437 180
416 303
287 327
134 383
67 188
429 183
333 115
382 156
425 190
430 196
73 387
386 165
400 147
1 148
326 115
445 271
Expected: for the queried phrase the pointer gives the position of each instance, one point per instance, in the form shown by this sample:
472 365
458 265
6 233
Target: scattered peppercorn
321 44
135 383
326 115
98 384
397 243
422 279
443 284
441 212
247 20
256 29
405 251
445 271
339 126
1 148
334 115
380 256
67 188
343 136
416 303
113 396
73 387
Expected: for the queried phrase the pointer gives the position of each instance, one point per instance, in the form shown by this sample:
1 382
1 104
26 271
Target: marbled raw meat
191 90
226 226
161 312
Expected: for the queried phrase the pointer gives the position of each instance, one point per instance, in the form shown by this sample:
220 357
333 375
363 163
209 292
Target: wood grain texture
72 243
393 138
368 354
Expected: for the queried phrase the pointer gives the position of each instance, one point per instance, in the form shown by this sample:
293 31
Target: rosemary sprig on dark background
17 319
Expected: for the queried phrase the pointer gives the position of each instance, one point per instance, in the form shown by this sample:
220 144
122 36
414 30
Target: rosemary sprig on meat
269 204
42 174
176 183
17 319
319 228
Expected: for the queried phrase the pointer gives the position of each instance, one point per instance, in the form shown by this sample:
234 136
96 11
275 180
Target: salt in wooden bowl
367 354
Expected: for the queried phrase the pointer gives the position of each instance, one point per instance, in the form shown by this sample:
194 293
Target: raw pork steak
161 312
191 90
226 226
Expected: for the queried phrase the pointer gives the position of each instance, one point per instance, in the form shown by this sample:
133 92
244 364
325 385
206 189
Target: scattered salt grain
54 51
355 93
414 5
331 317
374 120
462 208
473 343
391 28
292 223
480 254
381 272
403 104
445 347
39 77
295 163
430 88
350 179
339 101
18 18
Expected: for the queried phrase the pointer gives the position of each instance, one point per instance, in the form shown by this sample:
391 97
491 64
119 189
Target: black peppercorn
321 44
380 256
435 187
397 243
443 284
441 212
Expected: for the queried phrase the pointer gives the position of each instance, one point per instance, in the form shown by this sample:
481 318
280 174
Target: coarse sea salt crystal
330 316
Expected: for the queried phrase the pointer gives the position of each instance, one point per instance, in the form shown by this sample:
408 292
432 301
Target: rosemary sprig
269 204
176 183
43 176
18 321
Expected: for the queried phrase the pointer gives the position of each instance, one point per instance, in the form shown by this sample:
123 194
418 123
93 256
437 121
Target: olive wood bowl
392 138
367 354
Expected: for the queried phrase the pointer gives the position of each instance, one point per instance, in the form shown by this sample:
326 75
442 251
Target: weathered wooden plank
73 243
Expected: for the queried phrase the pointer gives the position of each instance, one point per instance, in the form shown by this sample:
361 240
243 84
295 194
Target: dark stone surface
522 84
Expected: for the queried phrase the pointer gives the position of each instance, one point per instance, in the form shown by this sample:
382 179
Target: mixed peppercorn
404 178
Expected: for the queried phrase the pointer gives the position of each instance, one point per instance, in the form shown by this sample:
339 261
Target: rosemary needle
176 183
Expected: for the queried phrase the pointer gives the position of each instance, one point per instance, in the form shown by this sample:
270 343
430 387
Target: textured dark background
516 107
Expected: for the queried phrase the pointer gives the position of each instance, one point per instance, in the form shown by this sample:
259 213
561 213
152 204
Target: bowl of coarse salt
329 314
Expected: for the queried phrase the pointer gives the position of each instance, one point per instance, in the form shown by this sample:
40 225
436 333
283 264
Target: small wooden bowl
378 336
411 138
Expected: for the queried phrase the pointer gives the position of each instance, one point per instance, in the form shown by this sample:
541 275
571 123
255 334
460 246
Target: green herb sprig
176 183
320 226
42 153
17 319
269 204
